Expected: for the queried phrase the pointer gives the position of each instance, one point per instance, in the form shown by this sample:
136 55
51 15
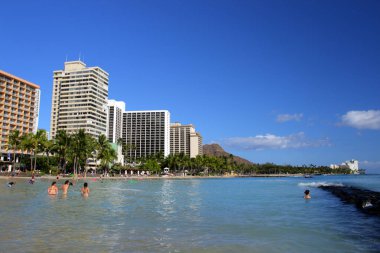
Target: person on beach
85 190
307 195
53 189
65 187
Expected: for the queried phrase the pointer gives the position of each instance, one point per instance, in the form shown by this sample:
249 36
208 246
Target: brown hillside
217 150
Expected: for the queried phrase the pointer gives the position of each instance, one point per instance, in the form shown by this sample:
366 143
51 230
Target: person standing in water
307 195
85 190
53 189
65 187
32 180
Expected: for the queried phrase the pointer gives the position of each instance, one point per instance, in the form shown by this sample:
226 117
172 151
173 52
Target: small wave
317 184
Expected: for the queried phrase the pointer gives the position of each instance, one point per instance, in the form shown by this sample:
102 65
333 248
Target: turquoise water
197 215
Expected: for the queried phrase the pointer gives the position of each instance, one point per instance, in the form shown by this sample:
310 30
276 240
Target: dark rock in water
365 200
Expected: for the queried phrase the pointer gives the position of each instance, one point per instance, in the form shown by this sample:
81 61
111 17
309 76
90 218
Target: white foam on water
317 184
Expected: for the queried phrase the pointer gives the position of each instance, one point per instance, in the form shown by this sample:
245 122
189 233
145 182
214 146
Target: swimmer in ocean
10 184
85 190
65 187
307 195
53 189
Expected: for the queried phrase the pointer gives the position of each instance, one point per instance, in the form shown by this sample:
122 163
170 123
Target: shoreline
48 177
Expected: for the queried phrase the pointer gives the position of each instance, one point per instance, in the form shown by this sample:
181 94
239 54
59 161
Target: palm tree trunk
75 159
35 161
31 162
14 159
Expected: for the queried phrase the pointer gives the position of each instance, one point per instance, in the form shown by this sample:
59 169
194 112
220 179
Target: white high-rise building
184 139
353 165
79 99
146 133
115 120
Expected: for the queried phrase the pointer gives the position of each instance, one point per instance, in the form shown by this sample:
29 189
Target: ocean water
194 215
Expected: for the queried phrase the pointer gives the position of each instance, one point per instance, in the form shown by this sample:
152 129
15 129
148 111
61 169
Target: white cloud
362 119
289 117
270 141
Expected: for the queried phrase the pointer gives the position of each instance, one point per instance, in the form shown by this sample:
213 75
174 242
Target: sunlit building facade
184 139
79 99
115 120
146 133
19 107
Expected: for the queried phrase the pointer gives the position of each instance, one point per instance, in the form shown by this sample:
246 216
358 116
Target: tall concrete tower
115 120
79 99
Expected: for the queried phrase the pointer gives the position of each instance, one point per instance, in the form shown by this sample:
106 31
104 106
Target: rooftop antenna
66 58
79 56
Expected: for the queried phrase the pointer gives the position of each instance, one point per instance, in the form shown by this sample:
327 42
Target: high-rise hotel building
184 139
146 133
115 120
19 107
196 144
79 99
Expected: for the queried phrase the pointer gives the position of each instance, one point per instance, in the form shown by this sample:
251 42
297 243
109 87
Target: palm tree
14 141
89 150
127 148
183 161
30 144
40 140
106 154
49 148
171 161
78 151
61 146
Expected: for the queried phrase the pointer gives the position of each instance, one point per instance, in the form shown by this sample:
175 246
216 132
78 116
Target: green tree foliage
14 142
70 153
106 154
152 166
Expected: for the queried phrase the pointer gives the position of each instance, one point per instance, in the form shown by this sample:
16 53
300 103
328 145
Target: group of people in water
53 189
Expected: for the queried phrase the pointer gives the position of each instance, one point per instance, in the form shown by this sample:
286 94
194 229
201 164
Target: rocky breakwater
365 200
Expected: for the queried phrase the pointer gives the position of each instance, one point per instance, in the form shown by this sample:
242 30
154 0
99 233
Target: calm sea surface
197 215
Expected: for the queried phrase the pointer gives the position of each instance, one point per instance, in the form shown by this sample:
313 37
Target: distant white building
353 165
115 120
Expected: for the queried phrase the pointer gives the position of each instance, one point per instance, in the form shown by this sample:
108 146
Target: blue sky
289 82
